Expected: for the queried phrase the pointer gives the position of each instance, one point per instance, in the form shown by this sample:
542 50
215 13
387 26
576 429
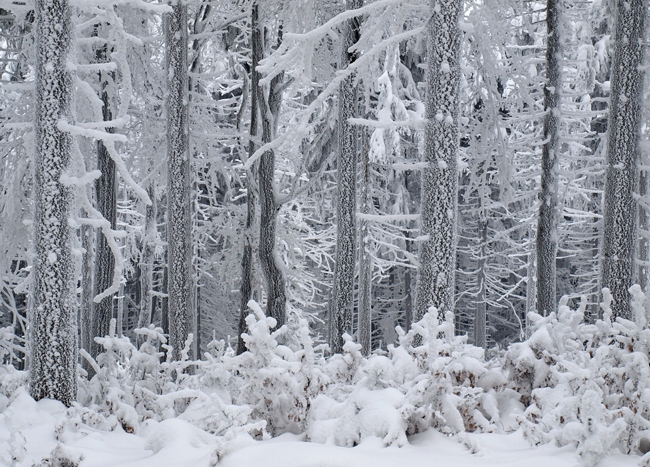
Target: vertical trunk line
548 199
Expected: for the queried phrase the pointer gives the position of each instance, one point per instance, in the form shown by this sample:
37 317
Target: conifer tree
435 283
622 175
179 223
343 292
53 334
548 215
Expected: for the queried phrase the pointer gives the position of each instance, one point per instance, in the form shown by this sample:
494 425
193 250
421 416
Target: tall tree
435 286
179 222
548 215
246 286
106 199
53 335
622 176
342 304
276 299
364 322
147 261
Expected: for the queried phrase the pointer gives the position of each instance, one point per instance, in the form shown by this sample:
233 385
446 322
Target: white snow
28 433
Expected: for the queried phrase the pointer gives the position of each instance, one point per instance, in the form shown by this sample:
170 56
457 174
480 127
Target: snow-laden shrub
441 382
132 385
587 384
276 381
10 379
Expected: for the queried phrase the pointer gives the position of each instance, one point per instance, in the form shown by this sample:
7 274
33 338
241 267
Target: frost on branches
570 383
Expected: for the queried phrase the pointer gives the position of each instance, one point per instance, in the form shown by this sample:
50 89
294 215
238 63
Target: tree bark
342 305
480 313
106 199
179 222
548 208
269 262
365 260
146 263
53 311
246 287
85 314
435 284
644 241
622 177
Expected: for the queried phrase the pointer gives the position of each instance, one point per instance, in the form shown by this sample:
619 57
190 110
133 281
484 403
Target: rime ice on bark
179 221
53 311
365 259
346 208
246 287
146 263
106 199
548 215
480 313
435 285
276 300
85 314
620 229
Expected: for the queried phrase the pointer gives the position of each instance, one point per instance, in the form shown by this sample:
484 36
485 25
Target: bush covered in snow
442 382
570 382
585 384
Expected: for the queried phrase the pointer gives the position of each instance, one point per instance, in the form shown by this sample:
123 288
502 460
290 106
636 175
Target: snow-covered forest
233 230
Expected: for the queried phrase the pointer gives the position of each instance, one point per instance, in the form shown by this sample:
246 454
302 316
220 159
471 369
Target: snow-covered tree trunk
644 230
531 285
106 201
85 312
276 300
246 287
146 262
53 310
620 227
409 289
435 283
179 221
342 305
548 209
480 313
365 260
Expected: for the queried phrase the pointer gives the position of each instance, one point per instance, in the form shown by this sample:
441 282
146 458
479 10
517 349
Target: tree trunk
435 285
548 209
621 183
246 287
346 208
365 259
179 222
85 314
644 240
53 311
531 285
480 313
269 262
106 199
146 263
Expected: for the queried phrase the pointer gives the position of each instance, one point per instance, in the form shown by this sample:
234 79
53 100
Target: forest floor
29 430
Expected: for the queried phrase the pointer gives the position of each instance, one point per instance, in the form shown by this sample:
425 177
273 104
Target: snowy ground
28 434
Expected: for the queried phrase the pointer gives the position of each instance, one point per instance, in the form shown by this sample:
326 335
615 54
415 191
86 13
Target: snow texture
346 207
547 222
622 175
53 308
435 283
179 210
